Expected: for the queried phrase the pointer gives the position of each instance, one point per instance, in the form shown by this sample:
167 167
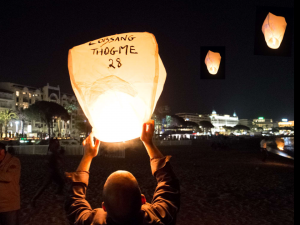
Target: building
220 121
286 123
6 100
265 124
246 122
192 117
15 97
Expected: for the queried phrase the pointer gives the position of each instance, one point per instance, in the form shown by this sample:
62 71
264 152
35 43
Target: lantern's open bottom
117 116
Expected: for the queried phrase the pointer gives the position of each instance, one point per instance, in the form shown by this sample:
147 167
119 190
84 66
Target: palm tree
22 117
70 107
6 116
1 125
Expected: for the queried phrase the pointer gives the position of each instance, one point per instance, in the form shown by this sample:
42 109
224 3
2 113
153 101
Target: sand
231 186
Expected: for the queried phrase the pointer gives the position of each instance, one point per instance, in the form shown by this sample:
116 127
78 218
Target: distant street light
274 28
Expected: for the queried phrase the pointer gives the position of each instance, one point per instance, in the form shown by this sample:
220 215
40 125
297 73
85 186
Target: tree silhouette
47 112
206 125
241 127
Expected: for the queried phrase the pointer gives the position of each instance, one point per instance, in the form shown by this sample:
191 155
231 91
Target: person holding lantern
123 202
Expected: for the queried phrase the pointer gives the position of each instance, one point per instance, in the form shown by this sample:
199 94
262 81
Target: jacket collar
6 159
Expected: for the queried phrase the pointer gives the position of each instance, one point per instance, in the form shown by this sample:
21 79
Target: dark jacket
162 210
10 170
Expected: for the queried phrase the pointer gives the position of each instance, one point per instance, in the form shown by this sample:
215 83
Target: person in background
263 149
55 162
123 202
10 171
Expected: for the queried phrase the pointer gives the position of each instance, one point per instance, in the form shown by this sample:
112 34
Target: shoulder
99 216
15 161
150 216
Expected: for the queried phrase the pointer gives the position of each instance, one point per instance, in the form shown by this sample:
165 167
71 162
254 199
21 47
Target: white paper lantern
212 61
273 29
117 80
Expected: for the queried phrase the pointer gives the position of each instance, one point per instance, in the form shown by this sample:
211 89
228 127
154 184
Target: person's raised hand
90 148
147 133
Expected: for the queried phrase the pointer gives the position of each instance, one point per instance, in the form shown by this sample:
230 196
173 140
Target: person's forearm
153 151
85 163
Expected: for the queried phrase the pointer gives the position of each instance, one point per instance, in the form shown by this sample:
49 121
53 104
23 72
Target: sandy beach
219 187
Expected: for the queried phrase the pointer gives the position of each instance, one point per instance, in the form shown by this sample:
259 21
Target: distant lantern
274 28
117 80
280 143
212 61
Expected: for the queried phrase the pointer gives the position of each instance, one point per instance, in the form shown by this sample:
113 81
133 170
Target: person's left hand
91 149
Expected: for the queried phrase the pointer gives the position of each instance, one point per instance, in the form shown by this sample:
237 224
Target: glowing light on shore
117 81
273 29
280 143
212 61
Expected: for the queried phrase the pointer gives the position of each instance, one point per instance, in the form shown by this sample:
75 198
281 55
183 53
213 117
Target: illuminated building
218 121
265 124
16 96
246 122
6 100
286 123
192 117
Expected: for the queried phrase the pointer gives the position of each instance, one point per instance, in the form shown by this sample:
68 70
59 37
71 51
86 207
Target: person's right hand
91 149
148 131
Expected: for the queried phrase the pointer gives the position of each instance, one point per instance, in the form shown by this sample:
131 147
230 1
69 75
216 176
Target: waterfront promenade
219 186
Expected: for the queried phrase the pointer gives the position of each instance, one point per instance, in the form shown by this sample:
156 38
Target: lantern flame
212 61
273 29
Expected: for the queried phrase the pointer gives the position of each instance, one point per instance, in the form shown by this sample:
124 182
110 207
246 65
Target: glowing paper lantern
274 28
212 61
117 80
280 143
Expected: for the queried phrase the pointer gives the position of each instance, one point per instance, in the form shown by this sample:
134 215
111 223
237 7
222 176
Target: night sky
36 36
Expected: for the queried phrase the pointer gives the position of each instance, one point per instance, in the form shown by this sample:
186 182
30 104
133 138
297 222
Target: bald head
122 196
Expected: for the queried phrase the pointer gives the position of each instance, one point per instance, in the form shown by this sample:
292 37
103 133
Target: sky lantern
212 61
117 80
274 28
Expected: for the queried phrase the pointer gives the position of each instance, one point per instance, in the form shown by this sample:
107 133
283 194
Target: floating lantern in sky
280 143
274 28
212 61
117 80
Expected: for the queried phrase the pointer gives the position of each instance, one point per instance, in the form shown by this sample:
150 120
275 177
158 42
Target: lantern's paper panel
117 80
212 61
273 29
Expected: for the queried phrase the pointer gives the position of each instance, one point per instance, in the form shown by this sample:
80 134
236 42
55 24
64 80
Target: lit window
17 104
17 93
24 93
29 95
